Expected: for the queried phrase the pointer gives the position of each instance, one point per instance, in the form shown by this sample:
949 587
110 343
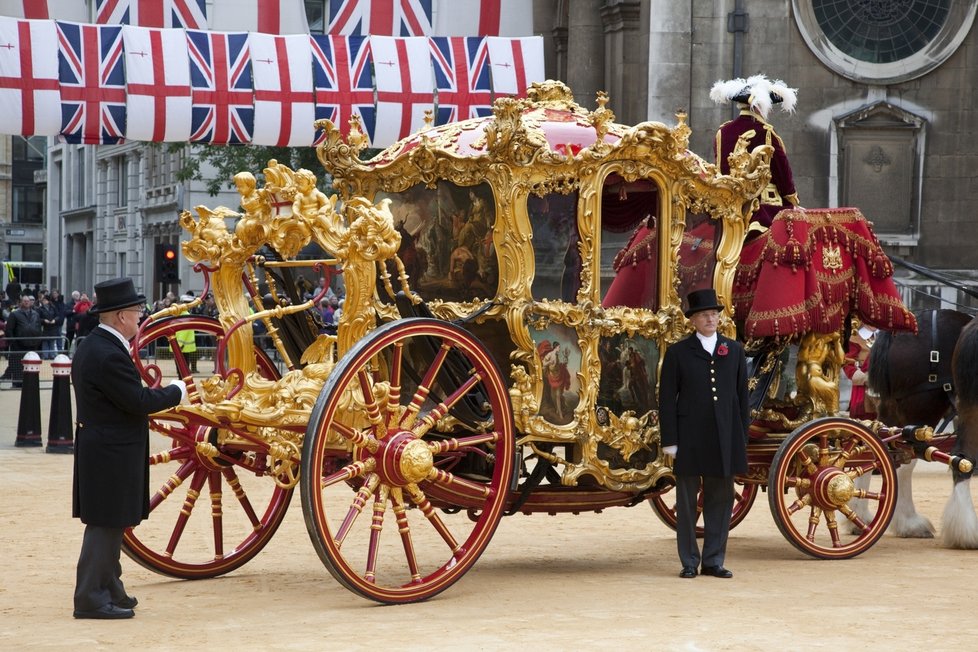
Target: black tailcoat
111 484
704 407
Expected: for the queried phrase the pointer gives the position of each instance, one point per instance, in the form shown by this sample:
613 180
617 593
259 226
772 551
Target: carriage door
629 277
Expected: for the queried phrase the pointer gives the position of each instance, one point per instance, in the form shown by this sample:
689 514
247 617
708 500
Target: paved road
595 581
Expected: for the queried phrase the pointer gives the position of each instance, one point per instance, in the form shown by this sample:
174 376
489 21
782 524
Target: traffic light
166 264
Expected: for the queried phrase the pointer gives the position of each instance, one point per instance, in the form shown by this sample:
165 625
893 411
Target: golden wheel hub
416 461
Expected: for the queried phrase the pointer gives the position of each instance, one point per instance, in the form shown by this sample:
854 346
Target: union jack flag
93 83
189 14
343 87
461 77
221 88
380 17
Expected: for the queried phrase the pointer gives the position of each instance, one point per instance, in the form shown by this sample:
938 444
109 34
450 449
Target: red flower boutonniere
722 350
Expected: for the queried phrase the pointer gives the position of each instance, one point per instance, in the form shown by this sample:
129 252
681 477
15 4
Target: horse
914 385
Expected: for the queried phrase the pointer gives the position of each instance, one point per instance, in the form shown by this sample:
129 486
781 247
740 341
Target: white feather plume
759 90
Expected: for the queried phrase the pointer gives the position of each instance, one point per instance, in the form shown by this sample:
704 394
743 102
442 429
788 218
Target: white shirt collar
709 343
119 336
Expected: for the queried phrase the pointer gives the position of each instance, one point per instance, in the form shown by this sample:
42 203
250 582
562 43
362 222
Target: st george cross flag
93 83
405 89
344 88
221 88
30 95
265 16
483 18
189 14
284 108
157 84
74 10
380 17
462 77
515 64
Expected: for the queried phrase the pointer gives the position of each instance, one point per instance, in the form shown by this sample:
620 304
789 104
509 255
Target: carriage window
697 254
446 240
629 243
557 258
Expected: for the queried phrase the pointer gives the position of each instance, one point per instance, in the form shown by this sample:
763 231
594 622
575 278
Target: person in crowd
70 321
50 328
186 339
84 323
24 334
704 414
111 473
756 95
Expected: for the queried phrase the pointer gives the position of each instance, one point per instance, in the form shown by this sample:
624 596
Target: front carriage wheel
812 480
664 506
208 516
407 461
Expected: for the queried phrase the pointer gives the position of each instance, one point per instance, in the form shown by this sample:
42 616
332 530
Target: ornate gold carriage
511 284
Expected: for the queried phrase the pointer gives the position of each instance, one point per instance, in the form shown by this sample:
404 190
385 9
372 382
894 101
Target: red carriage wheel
407 461
208 516
664 506
812 480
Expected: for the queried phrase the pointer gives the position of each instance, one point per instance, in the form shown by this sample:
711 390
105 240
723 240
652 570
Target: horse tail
879 356
963 366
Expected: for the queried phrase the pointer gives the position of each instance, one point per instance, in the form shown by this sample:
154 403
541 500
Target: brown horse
912 374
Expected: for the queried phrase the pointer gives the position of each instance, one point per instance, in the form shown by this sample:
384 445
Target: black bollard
59 424
29 421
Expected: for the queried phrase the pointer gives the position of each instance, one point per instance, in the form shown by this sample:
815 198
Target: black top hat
116 294
701 300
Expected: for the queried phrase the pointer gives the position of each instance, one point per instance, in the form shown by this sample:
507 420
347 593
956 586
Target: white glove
859 377
670 450
183 388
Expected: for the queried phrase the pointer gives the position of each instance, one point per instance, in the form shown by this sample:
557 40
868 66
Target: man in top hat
757 95
704 415
111 483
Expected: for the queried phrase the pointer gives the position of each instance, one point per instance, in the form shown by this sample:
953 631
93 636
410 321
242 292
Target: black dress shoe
687 573
107 612
717 571
127 602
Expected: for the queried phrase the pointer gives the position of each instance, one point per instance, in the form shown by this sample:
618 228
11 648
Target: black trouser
97 581
718 497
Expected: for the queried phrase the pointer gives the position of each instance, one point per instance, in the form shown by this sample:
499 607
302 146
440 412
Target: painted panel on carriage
628 373
446 240
557 257
560 360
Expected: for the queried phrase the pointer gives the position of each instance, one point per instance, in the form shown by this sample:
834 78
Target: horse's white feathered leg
907 523
859 506
960 526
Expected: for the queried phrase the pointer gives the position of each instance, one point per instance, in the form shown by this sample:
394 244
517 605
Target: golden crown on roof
757 91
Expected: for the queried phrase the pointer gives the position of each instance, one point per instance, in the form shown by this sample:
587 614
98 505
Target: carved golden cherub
820 358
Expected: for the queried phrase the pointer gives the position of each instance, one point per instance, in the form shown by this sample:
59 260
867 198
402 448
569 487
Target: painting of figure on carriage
553 218
560 360
628 372
446 240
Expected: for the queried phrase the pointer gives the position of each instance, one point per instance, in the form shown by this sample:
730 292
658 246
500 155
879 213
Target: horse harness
936 379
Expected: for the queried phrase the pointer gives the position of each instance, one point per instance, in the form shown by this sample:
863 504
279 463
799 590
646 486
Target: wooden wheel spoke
424 388
376 528
404 529
348 472
241 496
814 517
471 489
440 410
799 504
193 492
355 436
798 482
853 517
833 526
217 518
394 395
356 507
165 457
856 471
422 502
458 443
370 405
171 484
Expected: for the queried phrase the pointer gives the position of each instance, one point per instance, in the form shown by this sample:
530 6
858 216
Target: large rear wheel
413 427
186 537
812 480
